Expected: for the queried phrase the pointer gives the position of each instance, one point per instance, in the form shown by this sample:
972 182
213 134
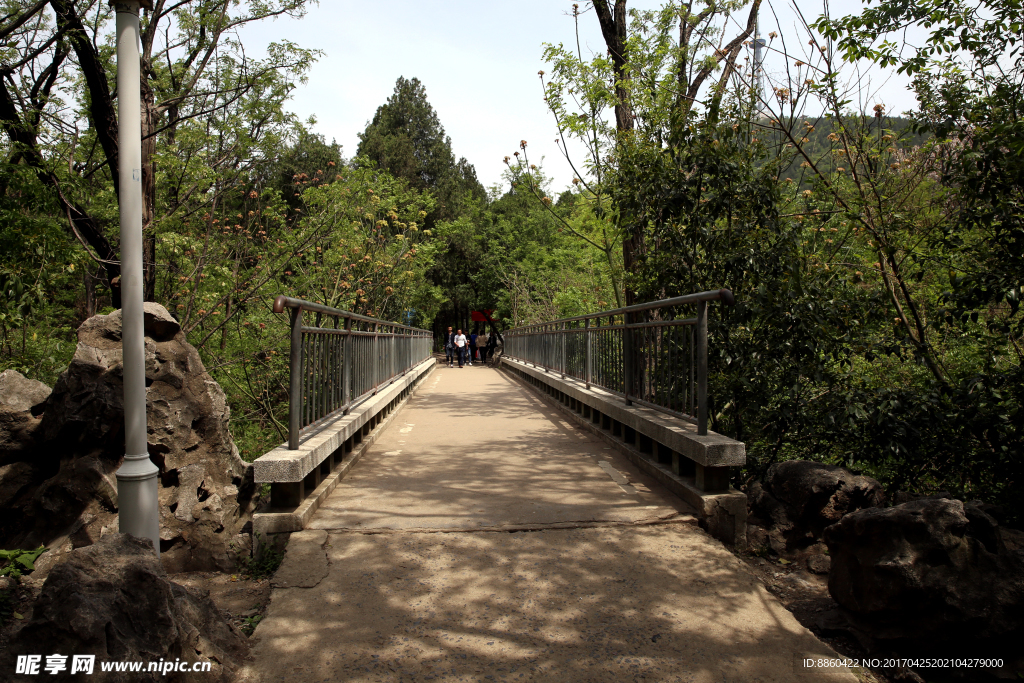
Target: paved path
483 538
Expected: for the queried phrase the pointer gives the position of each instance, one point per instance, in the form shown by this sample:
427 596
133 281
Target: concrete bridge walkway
482 538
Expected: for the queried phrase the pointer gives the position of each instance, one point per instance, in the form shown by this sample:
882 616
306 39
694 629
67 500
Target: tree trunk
90 293
613 28
149 124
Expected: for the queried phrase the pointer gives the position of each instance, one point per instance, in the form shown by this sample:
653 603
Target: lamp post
138 511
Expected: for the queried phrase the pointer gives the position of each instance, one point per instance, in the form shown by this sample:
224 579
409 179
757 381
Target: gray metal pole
138 511
295 380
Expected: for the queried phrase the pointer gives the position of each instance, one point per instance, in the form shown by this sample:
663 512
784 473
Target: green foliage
712 211
961 428
371 248
295 163
987 31
816 146
270 560
875 260
249 624
14 563
38 265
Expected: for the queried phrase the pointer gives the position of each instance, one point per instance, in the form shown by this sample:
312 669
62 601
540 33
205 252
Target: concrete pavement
483 538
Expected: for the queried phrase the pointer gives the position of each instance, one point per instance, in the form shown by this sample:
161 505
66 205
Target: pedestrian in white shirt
460 346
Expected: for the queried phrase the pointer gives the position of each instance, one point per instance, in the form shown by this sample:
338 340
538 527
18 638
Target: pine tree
406 139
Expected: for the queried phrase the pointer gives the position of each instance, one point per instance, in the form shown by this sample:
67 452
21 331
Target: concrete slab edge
283 465
266 523
710 450
515 528
723 515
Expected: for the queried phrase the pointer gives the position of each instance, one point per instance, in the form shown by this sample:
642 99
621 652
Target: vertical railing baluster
627 358
375 359
693 375
294 380
346 367
589 359
305 379
320 339
563 334
702 368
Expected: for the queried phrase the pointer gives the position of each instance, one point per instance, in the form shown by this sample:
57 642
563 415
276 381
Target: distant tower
759 44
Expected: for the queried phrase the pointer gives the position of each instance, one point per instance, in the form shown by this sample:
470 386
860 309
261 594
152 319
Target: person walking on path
460 346
472 347
481 345
449 348
492 345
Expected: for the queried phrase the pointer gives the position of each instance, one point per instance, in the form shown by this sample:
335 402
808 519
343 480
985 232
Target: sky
478 61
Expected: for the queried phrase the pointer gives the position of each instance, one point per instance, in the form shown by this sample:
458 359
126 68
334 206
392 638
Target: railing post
563 362
590 367
627 358
295 381
375 360
702 368
346 363
545 349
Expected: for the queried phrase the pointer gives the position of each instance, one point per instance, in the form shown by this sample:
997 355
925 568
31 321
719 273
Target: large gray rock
800 498
926 570
113 600
21 402
18 393
206 489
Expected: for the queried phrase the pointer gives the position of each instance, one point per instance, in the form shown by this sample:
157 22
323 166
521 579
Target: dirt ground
243 600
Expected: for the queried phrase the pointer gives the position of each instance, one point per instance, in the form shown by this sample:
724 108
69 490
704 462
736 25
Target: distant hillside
819 147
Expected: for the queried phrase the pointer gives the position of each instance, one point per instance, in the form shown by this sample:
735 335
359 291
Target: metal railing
333 368
646 353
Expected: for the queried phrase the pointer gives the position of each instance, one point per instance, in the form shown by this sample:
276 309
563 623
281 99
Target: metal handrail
333 369
641 352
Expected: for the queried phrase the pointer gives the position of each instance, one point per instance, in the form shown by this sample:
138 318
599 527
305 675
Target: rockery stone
206 491
113 600
21 402
927 569
800 498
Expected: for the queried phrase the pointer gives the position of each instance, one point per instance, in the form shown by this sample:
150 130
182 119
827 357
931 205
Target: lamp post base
137 499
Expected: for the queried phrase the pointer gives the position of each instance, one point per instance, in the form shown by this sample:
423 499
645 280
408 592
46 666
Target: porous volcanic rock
799 498
931 569
206 489
113 600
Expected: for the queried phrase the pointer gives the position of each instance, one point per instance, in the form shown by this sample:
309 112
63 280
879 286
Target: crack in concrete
673 518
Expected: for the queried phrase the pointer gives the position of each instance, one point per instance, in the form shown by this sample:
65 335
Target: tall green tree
968 76
660 67
406 139
207 107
